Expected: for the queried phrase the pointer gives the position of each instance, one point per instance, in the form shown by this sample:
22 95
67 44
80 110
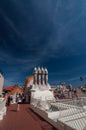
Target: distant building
27 87
12 90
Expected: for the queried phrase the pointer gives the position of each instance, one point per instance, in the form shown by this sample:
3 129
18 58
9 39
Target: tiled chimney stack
40 76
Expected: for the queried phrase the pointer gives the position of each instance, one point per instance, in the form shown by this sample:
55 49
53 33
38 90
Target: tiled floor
24 119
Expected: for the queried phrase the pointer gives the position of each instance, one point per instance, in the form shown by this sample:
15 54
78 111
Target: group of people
19 98
9 100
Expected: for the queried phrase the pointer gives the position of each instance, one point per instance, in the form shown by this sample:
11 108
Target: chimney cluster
40 76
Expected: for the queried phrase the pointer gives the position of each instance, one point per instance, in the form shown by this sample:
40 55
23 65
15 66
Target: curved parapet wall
1 83
2 108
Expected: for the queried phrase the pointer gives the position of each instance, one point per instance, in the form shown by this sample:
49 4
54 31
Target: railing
81 101
69 112
63 100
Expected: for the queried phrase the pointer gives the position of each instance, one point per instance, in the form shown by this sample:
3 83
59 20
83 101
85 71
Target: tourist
23 98
17 96
19 101
11 98
8 101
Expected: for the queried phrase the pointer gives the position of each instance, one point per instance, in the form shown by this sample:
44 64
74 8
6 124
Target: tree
81 78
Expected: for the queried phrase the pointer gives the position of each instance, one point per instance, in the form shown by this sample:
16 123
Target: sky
45 33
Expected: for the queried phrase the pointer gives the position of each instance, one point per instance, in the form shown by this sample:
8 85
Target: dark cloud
45 33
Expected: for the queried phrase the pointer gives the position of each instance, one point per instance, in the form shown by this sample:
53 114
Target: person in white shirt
19 101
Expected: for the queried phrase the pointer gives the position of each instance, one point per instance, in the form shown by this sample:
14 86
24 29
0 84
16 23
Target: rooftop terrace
25 119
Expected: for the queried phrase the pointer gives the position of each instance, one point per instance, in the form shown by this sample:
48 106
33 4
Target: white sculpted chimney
46 76
40 76
35 75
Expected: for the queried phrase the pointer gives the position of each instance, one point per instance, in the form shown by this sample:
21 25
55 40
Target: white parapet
40 98
1 83
2 108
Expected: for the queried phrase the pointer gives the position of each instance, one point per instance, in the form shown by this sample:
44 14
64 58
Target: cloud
8 82
73 79
59 74
12 78
58 42
41 31
10 22
56 33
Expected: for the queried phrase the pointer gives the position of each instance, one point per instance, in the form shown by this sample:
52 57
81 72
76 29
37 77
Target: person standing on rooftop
19 101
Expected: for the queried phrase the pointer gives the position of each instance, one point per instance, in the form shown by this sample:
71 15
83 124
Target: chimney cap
46 70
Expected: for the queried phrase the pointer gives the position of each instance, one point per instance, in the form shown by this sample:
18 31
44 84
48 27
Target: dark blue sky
48 33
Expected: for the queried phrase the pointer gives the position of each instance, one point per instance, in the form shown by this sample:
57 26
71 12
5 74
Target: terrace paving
24 119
